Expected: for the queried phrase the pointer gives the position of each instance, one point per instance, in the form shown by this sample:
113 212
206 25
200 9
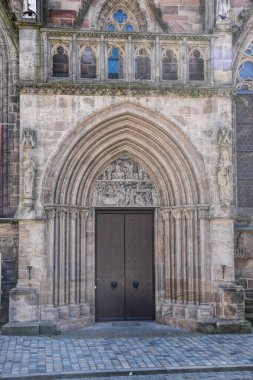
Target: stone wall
9 116
9 250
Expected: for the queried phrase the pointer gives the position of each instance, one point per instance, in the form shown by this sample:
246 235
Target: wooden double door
124 265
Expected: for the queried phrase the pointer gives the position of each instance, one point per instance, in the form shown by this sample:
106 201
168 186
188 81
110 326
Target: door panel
110 286
139 266
124 265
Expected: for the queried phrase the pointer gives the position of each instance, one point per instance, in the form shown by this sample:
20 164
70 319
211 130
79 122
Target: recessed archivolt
167 155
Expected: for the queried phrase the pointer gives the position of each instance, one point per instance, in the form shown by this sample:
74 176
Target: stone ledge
223 326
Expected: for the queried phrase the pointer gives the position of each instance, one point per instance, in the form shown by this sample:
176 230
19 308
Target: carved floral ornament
124 183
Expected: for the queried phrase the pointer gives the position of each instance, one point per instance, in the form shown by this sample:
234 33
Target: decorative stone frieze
124 89
124 183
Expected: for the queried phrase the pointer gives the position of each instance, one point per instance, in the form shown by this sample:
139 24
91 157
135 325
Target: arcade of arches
128 208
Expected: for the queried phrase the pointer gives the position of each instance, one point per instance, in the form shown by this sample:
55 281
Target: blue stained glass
111 28
120 16
113 64
129 28
246 71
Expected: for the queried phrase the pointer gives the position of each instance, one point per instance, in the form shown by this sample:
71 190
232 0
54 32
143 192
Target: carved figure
241 246
29 168
124 183
119 173
222 9
224 171
28 138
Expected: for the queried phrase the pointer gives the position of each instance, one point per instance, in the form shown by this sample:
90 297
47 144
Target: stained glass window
115 65
244 77
121 21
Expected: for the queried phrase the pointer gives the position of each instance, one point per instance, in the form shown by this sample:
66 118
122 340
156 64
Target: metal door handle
114 284
135 284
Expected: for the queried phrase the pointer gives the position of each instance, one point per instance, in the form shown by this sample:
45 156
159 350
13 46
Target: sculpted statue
222 9
224 138
29 168
224 171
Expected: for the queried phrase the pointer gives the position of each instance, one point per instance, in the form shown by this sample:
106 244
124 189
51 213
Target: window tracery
121 20
196 65
88 62
244 77
60 61
142 64
169 65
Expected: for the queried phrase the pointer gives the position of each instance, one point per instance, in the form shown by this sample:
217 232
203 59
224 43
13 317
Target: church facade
126 152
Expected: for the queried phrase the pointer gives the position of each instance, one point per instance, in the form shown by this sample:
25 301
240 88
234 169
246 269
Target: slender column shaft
84 214
167 256
62 257
72 258
178 251
189 263
51 213
196 259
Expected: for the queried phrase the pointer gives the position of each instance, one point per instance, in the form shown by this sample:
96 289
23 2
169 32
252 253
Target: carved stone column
102 58
84 307
49 312
177 215
189 255
203 232
63 308
167 256
74 309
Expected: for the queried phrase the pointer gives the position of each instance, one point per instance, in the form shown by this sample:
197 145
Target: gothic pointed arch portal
127 157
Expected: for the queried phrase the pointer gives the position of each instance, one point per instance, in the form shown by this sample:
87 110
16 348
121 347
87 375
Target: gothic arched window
196 66
142 65
121 20
169 66
88 63
115 64
60 62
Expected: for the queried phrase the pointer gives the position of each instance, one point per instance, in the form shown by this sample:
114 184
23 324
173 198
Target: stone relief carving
124 183
224 168
222 9
241 250
29 138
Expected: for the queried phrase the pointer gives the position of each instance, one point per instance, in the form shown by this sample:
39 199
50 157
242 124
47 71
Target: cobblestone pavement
44 355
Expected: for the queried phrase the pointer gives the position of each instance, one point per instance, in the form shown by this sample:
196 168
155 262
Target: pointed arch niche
127 156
